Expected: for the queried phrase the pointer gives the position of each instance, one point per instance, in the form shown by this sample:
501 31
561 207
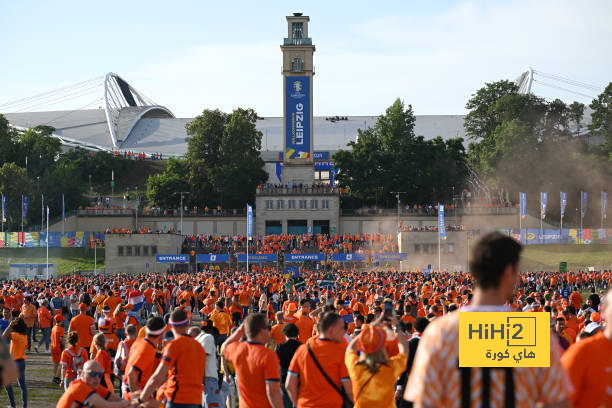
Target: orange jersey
73 359
141 360
256 365
186 359
78 393
82 324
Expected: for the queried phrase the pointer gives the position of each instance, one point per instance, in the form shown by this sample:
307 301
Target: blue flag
584 196
543 204
25 202
3 208
604 204
523 200
563 203
441 226
249 221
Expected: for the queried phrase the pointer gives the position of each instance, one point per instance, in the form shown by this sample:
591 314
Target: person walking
182 365
16 333
44 324
317 376
285 352
257 367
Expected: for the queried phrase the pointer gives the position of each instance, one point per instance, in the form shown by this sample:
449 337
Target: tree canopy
224 166
389 157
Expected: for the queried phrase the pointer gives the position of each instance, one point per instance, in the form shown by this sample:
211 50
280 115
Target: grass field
577 256
64 258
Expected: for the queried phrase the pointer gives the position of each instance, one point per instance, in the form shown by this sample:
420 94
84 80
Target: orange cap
371 339
595 317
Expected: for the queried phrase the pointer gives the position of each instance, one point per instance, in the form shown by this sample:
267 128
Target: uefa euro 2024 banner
297 104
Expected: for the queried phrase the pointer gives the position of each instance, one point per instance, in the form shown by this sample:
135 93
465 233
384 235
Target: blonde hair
373 361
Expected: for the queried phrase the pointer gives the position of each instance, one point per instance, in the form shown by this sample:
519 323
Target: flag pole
439 252
47 242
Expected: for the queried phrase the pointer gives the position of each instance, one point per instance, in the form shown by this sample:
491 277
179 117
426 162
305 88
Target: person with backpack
123 353
72 360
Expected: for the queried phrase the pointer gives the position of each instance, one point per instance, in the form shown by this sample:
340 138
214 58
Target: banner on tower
297 109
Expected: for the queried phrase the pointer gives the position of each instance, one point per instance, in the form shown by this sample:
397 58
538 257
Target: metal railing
297 190
424 212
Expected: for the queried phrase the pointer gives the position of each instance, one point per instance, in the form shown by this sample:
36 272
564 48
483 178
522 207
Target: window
324 203
119 251
153 250
314 203
292 204
297 64
417 248
280 204
137 250
145 250
128 250
451 248
269 204
303 204
297 30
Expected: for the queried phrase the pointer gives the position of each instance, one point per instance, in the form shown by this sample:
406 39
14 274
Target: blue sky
192 55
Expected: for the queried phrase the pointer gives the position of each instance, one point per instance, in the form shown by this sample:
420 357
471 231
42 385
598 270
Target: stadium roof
150 130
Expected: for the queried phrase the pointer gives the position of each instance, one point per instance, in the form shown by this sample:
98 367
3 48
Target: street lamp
181 193
397 195
90 184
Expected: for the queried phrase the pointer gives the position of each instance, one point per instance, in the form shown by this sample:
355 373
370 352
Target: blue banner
401 256
212 258
172 258
249 221
321 155
355 257
543 204
604 204
3 208
258 258
441 226
279 172
297 119
304 257
523 200
324 165
563 203
25 202
584 196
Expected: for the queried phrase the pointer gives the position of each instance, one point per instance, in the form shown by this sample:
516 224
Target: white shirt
208 343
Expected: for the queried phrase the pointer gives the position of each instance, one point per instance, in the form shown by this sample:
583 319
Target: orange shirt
305 325
19 343
142 360
105 361
222 321
44 317
314 390
28 312
186 359
256 365
112 302
82 324
73 359
589 365
57 337
78 393
277 334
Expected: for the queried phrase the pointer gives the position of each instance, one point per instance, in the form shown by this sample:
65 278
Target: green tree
206 133
13 185
481 120
240 168
162 188
38 148
7 141
389 157
223 160
576 115
601 118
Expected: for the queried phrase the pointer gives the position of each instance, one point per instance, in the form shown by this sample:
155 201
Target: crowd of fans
375 338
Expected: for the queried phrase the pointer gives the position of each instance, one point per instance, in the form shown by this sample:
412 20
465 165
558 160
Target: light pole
181 193
90 184
137 206
397 195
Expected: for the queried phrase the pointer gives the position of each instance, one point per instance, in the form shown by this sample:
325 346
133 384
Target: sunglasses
95 374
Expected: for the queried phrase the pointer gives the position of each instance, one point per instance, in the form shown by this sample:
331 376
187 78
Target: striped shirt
435 379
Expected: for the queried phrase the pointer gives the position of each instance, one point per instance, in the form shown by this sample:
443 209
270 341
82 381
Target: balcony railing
420 212
294 191
297 41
